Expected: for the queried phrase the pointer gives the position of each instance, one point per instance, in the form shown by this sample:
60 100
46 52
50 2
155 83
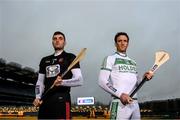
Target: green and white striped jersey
122 72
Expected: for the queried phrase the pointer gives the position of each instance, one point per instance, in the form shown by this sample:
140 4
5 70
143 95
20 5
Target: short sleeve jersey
123 74
52 66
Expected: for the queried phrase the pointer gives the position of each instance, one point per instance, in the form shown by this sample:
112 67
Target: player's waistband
114 97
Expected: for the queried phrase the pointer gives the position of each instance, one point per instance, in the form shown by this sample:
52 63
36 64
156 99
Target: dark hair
120 33
59 33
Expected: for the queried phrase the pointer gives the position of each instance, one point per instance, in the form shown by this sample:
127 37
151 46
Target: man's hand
58 81
37 102
125 99
148 75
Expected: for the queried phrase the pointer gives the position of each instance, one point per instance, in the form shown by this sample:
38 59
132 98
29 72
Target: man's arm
76 80
39 89
147 74
40 85
105 83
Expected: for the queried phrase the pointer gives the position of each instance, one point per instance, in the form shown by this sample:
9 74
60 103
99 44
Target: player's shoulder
110 57
48 57
70 55
131 59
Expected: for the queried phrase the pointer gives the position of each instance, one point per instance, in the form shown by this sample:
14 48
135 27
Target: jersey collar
121 54
58 53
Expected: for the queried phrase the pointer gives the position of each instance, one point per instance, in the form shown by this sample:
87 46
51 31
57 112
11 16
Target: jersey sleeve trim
106 69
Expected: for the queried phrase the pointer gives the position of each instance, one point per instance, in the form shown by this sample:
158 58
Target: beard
122 50
58 48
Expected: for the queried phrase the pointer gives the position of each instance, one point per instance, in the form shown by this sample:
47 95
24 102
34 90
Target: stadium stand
16 84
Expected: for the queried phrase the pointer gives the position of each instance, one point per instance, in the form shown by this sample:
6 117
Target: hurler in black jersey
57 103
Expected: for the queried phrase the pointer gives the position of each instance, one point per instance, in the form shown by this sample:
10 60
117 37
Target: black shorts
56 106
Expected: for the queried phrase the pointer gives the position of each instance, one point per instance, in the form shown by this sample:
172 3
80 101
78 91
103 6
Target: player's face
58 42
122 43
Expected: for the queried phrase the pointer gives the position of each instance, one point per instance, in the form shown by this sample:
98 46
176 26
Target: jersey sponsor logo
125 65
127 68
52 70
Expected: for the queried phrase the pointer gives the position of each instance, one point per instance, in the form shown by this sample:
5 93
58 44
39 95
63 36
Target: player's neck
58 52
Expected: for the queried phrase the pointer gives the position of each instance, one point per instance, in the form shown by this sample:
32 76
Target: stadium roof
14 71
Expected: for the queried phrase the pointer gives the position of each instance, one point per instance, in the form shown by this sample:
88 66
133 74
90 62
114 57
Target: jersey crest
52 70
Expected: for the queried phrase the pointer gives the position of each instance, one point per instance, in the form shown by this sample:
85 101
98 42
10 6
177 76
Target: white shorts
124 112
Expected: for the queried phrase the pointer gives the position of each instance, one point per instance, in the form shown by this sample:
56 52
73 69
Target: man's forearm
40 85
76 79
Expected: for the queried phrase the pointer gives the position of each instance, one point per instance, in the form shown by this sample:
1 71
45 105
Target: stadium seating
17 84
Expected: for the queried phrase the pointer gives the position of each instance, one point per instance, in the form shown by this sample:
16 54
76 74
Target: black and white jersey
52 66
57 104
